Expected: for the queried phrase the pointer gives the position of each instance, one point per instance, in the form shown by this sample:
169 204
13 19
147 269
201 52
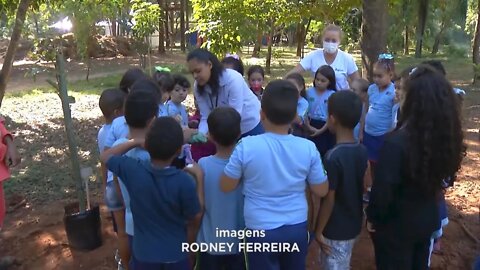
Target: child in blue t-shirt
324 85
164 200
223 131
275 168
140 110
111 104
179 93
381 96
302 106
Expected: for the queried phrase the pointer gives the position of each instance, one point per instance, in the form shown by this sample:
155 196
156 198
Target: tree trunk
269 50
438 38
167 33
299 34
406 45
258 44
187 15
422 21
161 28
171 34
113 23
374 34
182 25
12 46
476 48
305 36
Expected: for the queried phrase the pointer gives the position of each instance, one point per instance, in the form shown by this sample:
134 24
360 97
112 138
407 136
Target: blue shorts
112 199
207 261
292 259
373 145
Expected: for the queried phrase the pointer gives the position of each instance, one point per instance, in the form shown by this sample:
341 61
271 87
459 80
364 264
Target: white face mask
330 47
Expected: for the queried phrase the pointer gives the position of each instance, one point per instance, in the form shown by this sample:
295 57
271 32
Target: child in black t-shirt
341 212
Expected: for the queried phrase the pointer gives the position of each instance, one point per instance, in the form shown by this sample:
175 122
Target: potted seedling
82 222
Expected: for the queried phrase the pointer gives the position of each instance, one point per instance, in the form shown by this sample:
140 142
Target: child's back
223 211
161 200
274 176
346 165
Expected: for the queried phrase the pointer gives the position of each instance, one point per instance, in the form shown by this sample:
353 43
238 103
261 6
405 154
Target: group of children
160 197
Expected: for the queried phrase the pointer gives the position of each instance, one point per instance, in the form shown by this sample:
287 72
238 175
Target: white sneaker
120 266
117 256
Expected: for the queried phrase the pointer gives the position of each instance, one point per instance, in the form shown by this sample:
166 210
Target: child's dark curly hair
432 121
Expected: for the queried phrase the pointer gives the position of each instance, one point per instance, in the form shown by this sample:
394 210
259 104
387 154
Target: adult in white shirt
216 86
342 62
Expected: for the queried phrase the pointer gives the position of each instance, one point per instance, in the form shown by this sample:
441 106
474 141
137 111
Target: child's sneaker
120 266
117 256
366 195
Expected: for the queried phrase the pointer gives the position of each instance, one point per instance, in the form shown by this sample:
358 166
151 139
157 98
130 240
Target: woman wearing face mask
342 63
216 86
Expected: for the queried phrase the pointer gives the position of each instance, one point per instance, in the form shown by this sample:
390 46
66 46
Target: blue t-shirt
227 217
163 200
162 110
302 108
102 137
318 104
177 109
379 117
119 129
138 154
275 169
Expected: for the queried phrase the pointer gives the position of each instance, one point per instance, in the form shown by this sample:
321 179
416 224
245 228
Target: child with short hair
120 130
341 211
324 85
111 104
233 61
163 198
298 128
223 131
275 168
256 77
174 105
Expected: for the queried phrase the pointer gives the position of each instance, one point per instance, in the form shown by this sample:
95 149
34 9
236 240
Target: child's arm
233 170
197 173
13 157
120 149
317 178
318 132
362 122
326 208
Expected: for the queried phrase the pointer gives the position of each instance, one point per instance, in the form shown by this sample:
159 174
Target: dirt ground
34 232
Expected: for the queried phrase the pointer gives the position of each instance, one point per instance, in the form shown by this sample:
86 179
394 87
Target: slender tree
476 48
12 46
422 21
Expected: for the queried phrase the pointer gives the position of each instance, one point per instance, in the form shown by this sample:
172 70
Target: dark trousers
207 261
399 253
297 234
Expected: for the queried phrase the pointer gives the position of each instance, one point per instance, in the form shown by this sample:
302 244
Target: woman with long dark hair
216 86
413 162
